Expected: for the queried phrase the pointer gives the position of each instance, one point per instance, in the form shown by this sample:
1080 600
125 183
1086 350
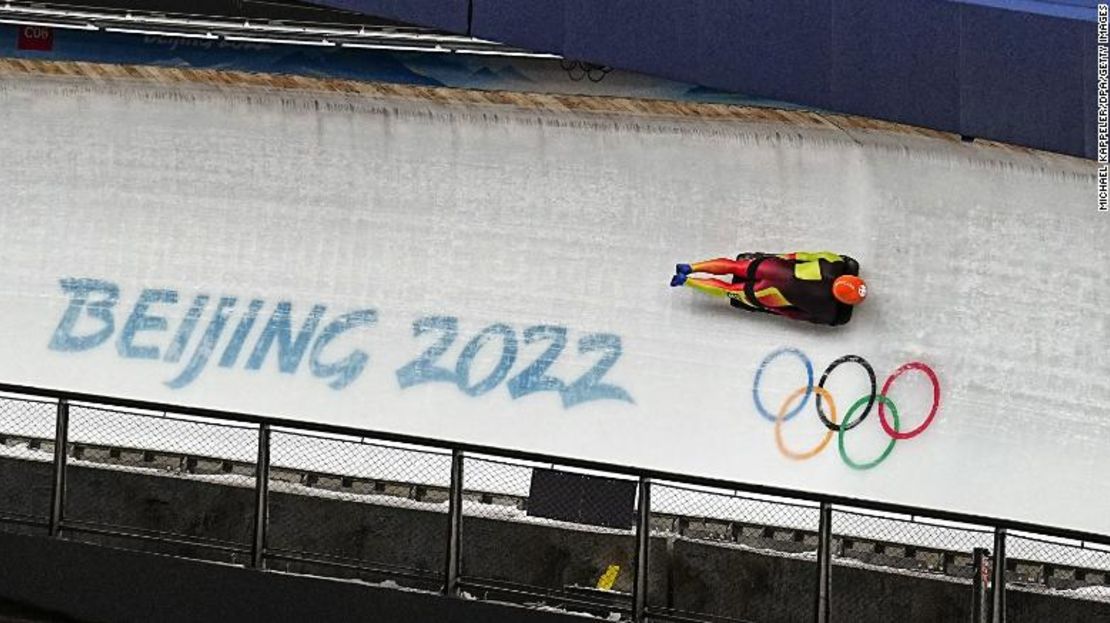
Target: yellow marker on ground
607 579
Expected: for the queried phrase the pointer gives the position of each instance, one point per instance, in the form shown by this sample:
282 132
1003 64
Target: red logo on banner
38 38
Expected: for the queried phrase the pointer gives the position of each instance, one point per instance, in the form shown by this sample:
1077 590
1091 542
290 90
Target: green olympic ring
844 427
892 430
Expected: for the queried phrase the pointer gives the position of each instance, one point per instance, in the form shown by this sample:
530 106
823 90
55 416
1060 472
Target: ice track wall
500 277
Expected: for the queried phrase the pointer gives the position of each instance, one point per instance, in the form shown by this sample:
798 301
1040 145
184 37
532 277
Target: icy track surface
480 225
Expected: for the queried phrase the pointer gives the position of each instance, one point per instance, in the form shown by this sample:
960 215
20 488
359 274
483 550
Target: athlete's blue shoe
682 269
678 280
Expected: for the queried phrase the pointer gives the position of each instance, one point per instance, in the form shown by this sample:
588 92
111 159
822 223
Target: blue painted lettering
345 370
89 321
246 323
290 352
185 331
139 321
79 291
206 346
534 378
589 386
470 351
423 369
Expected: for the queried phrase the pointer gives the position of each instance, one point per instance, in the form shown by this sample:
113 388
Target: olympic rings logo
891 426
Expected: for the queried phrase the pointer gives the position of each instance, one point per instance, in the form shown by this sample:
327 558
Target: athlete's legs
714 287
722 266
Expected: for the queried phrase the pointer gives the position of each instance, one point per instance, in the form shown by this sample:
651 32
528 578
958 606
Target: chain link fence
162 482
347 507
1040 571
877 557
547 535
26 463
539 534
725 556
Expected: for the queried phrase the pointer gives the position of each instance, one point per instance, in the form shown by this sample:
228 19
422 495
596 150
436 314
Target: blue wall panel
1024 87
533 24
1013 70
652 37
781 50
1090 93
897 59
449 15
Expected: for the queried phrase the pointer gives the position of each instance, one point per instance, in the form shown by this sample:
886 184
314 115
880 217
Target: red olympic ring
910 434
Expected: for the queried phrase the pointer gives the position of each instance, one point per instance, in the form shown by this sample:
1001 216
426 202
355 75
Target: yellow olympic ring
801 456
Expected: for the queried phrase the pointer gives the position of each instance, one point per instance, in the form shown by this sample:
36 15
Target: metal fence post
998 577
261 498
979 607
824 563
643 540
454 526
58 490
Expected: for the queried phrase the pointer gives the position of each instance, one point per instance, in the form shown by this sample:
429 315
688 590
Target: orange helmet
849 289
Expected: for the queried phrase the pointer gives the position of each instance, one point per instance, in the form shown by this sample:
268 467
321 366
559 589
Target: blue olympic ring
759 375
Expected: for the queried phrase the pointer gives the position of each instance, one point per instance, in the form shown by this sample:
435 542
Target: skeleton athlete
819 287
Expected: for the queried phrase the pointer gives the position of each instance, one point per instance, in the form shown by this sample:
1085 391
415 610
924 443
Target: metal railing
251 30
477 522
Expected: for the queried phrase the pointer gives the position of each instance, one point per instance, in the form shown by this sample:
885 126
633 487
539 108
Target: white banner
501 278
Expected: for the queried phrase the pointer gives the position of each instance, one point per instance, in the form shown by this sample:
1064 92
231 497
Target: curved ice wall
501 277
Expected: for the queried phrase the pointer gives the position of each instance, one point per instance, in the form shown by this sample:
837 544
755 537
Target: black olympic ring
833 426
577 70
829 421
